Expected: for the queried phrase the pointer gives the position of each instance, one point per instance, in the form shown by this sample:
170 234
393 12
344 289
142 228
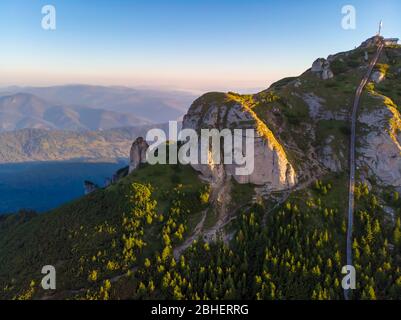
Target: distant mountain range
30 145
156 106
24 110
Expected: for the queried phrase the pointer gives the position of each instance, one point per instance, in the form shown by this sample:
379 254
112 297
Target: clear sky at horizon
200 45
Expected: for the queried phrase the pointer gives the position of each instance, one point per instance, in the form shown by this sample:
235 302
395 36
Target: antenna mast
380 27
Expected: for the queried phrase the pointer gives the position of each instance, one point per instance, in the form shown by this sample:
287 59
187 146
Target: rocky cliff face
271 165
302 123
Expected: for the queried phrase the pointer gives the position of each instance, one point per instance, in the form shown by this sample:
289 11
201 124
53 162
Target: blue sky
202 45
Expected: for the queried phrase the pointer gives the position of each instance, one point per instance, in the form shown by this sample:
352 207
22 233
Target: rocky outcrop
378 77
318 110
380 147
271 165
43 145
137 153
321 67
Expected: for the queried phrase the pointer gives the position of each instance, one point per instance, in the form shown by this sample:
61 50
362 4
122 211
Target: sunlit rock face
271 166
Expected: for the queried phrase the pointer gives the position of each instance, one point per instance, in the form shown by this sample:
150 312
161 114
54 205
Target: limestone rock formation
302 125
380 150
137 153
321 67
271 165
378 76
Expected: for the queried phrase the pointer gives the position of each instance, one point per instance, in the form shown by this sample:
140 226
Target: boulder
378 76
